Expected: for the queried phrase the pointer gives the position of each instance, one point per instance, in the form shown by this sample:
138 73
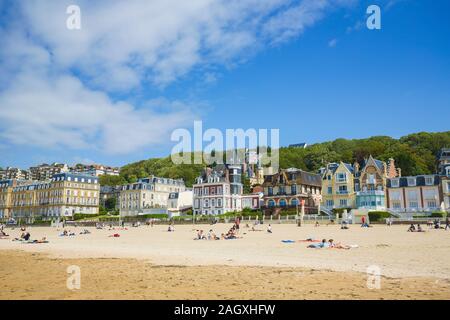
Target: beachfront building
148 193
445 187
252 201
291 187
338 186
11 173
443 162
61 196
110 192
95 170
414 194
47 171
370 183
6 188
179 202
218 190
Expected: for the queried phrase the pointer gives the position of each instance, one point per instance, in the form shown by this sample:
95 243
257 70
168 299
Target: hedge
79 216
341 210
378 215
438 214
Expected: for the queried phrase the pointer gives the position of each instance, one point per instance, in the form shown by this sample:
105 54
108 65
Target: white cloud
56 84
62 112
332 43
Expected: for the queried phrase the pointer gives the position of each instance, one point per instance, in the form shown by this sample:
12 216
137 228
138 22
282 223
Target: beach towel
115 235
288 241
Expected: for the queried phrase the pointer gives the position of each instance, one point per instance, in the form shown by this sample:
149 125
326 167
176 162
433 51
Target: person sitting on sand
25 236
344 225
411 228
269 228
317 224
419 228
171 228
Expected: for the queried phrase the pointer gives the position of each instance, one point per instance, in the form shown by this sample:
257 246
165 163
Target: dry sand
156 264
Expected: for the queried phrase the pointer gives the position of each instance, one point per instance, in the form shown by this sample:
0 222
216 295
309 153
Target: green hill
414 154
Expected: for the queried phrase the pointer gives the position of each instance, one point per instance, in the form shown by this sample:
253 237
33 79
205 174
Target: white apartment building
414 194
147 193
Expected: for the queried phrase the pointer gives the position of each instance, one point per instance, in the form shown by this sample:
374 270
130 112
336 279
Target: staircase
328 212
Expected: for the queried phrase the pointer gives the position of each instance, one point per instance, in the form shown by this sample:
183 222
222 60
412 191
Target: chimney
391 170
356 167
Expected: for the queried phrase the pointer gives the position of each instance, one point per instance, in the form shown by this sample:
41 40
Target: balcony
370 193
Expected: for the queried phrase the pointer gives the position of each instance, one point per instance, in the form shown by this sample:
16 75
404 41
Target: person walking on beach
447 223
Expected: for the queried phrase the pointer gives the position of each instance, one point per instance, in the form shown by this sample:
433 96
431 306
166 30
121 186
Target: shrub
341 210
79 216
438 214
378 215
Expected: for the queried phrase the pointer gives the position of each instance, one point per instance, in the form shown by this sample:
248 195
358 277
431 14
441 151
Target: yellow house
338 186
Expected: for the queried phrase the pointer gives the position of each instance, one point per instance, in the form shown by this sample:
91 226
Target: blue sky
113 92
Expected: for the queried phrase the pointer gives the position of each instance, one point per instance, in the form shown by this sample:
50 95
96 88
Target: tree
110 204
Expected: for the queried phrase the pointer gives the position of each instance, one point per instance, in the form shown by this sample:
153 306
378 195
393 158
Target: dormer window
429 181
395 183
411 182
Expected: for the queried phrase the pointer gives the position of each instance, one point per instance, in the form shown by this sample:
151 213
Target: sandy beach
151 263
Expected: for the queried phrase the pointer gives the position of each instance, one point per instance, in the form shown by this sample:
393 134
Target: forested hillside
414 154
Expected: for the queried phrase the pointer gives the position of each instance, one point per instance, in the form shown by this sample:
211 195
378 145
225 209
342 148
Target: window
343 202
396 205
431 204
411 182
413 204
330 190
341 177
329 203
429 181
270 191
371 178
282 203
294 189
395 183
343 190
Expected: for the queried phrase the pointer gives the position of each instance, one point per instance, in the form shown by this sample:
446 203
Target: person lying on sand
85 231
3 234
309 240
320 245
340 245
115 235
43 240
